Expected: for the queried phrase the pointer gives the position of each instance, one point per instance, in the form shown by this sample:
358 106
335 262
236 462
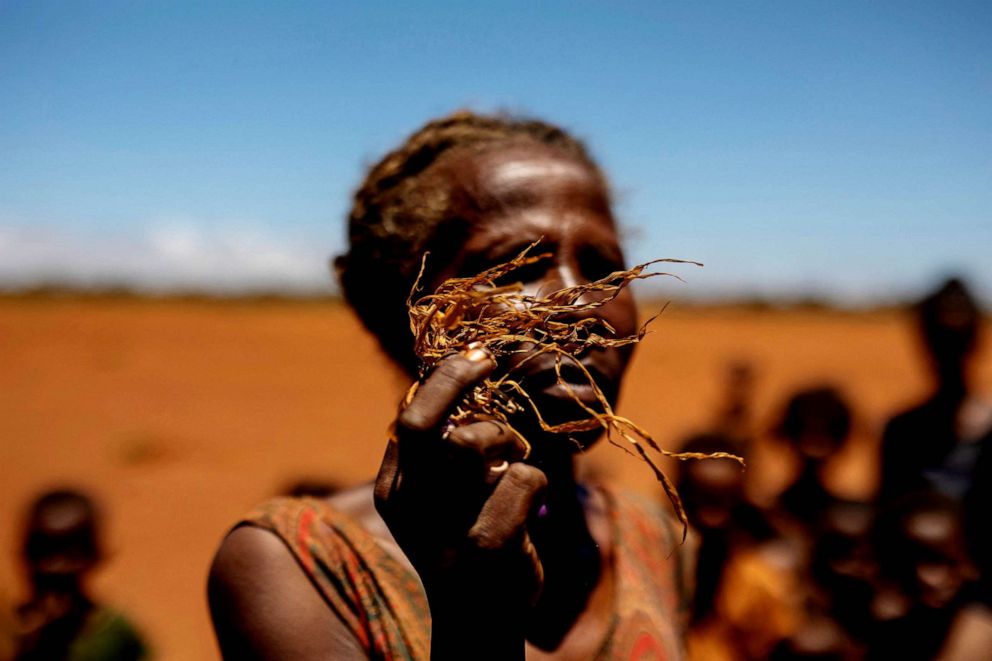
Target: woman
463 548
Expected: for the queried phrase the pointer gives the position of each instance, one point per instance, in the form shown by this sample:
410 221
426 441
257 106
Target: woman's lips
574 391
538 375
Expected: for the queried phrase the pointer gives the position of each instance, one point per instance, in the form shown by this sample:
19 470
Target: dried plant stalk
478 310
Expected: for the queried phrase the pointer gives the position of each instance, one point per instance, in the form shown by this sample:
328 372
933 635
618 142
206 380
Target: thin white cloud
168 255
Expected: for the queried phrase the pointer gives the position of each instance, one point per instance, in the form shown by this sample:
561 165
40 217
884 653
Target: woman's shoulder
333 557
264 606
347 518
284 515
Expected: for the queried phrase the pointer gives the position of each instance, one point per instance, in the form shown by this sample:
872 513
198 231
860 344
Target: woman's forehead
525 176
512 164
509 170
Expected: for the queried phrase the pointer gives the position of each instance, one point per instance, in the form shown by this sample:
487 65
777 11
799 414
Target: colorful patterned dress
382 601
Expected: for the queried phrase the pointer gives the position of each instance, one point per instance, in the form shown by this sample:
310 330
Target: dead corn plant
479 311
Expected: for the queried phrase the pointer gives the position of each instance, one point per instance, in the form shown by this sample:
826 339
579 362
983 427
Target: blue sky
832 148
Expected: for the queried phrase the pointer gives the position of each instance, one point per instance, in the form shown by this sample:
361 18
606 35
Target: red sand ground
180 416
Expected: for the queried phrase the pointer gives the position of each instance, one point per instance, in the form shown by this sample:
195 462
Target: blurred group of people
808 574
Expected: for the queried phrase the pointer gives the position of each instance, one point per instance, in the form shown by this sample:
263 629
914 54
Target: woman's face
514 196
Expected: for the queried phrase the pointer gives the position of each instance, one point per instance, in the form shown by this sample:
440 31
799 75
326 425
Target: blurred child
922 553
60 620
816 423
742 606
712 493
936 444
843 565
767 603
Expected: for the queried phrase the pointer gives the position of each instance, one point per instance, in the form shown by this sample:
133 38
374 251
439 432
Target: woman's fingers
504 515
451 484
458 495
473 454
422 453
500 531
387 482
482 450
438 394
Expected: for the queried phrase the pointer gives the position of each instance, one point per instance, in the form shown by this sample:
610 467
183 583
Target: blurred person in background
815 424
834 586
926 577
466 547
935 478
712 493
735 415
779 600
843 564
936 444
970 637
61 620
776 597
731 531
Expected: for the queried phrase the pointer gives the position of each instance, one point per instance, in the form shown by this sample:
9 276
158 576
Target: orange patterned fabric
653 582
382 602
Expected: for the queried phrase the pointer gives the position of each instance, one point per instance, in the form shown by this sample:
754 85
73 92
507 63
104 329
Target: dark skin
462 506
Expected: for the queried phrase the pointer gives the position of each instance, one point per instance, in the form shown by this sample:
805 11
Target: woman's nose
565 275
559 276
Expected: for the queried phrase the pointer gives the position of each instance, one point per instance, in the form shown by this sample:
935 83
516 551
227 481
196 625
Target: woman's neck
571 556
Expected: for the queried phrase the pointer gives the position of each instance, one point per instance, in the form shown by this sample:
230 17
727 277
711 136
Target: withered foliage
479 311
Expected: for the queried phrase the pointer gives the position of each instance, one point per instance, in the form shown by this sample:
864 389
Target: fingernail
500 468
477 353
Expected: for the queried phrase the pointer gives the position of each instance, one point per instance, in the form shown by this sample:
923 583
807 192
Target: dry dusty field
179 416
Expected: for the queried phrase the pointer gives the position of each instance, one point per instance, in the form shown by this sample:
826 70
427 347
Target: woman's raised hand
456 498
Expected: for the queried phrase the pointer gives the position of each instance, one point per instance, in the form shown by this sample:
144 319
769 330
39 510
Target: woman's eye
596 264
527 273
